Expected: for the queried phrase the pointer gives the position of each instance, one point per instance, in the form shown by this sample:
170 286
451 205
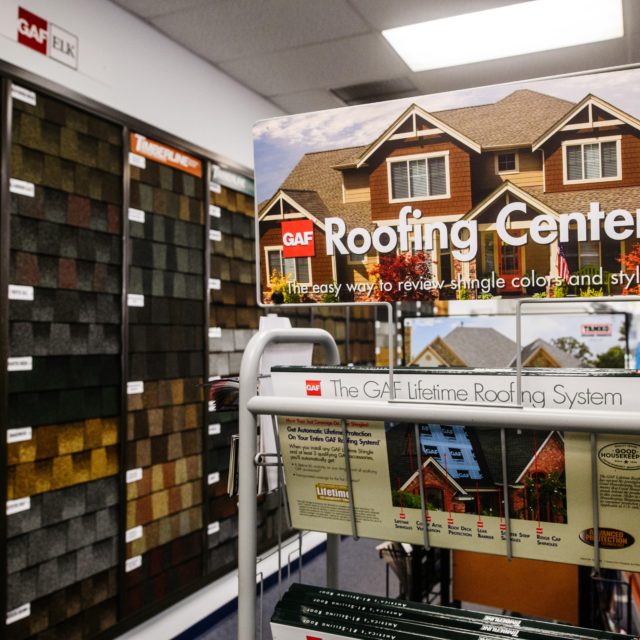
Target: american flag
563 267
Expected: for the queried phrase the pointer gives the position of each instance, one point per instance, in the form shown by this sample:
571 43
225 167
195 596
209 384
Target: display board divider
204 436
5 227
124 368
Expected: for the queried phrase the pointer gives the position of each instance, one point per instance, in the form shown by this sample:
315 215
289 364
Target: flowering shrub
394 269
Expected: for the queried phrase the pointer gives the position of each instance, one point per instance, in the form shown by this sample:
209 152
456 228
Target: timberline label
621 455
608 538
165 155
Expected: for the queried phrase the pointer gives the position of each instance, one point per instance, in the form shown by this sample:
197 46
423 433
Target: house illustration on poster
465 164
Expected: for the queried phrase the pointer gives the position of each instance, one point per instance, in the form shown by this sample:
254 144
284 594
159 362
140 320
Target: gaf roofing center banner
508 190
548 472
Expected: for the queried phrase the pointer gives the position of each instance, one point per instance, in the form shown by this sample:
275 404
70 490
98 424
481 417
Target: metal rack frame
512 417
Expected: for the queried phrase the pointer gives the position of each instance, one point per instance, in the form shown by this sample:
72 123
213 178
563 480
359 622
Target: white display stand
252 405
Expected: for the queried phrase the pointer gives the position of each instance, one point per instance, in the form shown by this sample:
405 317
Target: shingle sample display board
165 419
65 239
117 460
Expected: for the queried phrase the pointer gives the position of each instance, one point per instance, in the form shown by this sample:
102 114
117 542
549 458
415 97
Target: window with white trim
298 269
507 162
419 177
592 161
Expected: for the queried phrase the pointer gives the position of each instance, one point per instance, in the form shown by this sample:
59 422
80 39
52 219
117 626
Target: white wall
127 65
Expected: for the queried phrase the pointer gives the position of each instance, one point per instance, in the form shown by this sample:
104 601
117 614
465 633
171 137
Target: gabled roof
314 183
539 448
563 358
411 112
481 346
587 102
438 467
508 187
516 120
308 203
612 198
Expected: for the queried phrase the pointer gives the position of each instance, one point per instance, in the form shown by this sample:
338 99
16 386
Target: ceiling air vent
376 91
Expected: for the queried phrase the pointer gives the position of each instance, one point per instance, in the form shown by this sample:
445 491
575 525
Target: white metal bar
247 506
509 418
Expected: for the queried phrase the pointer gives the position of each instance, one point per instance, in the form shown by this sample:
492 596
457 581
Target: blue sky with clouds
279 143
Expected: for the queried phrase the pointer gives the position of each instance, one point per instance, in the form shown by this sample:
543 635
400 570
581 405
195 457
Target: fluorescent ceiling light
537 25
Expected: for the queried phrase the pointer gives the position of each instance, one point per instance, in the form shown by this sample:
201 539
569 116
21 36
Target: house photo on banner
510 190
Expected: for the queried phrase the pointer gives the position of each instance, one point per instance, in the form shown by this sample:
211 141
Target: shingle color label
133 475
135 300
20 292
215 235
16 506
215 332
213 478
22 187
215 212
22 434
214 187
24 95
133 563
22 363
215 429
215 284
136 160
136 215
23 611
135 386
133 534
213 527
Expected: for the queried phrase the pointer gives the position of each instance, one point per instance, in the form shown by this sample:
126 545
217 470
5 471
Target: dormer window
506 162
419 177
593 160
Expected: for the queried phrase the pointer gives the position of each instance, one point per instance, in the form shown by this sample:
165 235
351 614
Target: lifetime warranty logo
332 492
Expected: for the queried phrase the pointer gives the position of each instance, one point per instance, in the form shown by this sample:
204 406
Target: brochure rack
505 417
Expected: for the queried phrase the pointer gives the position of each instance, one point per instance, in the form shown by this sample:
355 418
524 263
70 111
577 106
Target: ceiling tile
304 101
323 66
383 14
226 30
151 8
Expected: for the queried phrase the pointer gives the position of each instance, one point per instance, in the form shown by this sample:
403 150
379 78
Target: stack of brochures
317 613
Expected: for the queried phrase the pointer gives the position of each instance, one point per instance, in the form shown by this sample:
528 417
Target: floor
361 570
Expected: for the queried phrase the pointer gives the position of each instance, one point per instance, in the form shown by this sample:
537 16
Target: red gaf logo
297 239
313 388
33 31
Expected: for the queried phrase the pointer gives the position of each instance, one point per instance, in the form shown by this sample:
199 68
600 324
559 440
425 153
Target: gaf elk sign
47 38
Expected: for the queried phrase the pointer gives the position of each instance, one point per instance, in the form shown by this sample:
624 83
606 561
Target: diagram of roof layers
461 471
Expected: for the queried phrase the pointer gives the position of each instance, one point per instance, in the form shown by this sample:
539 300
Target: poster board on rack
507 190
460 467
